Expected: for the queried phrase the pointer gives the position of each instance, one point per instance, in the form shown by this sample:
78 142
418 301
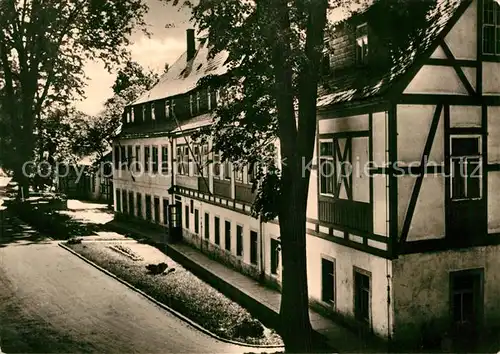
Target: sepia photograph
249 176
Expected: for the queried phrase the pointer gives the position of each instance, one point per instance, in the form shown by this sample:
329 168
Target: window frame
217 230
478 157
196 221
363 38
333 301
164 159
147 157
206 225
227 235
333 160
154 159
256 250
274 254
239 240
153 111
357 315
493 24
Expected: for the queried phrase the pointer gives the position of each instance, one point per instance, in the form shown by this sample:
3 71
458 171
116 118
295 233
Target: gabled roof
364 84
183 76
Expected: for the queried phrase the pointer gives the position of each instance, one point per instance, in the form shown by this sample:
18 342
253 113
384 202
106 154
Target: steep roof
363 84
183 76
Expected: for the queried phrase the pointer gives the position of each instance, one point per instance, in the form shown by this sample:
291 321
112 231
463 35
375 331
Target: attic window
153 115
199 67
362 44
491 27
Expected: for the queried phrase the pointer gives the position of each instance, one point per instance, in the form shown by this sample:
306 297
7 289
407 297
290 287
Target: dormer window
491 27
197 101
143 112
153 115
191 103
132 114
362 44
128 117
167 109
209 101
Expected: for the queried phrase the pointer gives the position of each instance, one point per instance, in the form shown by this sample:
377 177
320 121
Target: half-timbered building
403 220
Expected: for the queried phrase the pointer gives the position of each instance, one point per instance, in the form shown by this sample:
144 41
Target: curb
165 307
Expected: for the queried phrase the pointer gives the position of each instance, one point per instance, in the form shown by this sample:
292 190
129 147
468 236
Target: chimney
190 44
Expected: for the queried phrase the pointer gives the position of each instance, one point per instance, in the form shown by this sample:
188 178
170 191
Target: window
217 230
239 240
327 281
153 113
253 247
196 221
227 169
138 158
251 173
130 157
275 255
466 168
362 44
491 27
326 167
132 118
362 296
123 158
227 234
127 117
139 205
124 202
167 109
149 215
117 158
186 216
157 209
216 165
183 160
118 200
238 173
146 158
466 298
207 226
191 111
172 108
164 159
197 102
155 159
131 203
209 98
165 211
198 170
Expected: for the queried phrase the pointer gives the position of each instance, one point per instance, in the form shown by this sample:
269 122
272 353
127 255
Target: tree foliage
44 45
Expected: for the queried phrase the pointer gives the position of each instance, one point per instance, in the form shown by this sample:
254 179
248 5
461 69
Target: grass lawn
180 290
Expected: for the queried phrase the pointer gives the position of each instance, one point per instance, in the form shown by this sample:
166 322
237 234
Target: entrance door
175 222
466 208
466 301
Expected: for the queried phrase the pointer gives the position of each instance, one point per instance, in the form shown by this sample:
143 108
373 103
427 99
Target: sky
165 45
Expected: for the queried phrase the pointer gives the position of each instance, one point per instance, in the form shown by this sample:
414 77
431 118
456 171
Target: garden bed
180 290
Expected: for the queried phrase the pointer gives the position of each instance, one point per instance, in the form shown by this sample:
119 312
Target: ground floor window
118 200
196 221
239 240
131 203
149 215
227 240
217 230
253 247
207 226
139 205
275 256
466 300
186 216
362 295
124 201
156 206
165 211
328 280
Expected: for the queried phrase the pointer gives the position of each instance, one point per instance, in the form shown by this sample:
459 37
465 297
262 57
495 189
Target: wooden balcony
203 185
347 213
222 188
243 193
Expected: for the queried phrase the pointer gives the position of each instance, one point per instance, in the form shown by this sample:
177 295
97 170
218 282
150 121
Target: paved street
51 301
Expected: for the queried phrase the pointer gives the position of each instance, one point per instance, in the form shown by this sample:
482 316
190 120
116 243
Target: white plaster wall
360 172
493 202
465 116
493 134
436 80
421 286
379 138
380 205
414 122
312 196
353 123
462 38
345 259
491 78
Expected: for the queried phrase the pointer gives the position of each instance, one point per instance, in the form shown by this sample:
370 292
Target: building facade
402 221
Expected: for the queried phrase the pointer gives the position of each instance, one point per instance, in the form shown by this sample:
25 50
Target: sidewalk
252 293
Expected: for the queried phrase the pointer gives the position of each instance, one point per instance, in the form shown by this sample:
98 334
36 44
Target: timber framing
458 69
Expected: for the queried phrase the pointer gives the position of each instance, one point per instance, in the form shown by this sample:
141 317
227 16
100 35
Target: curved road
83 306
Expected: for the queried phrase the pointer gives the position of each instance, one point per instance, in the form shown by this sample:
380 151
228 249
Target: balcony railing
243 193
